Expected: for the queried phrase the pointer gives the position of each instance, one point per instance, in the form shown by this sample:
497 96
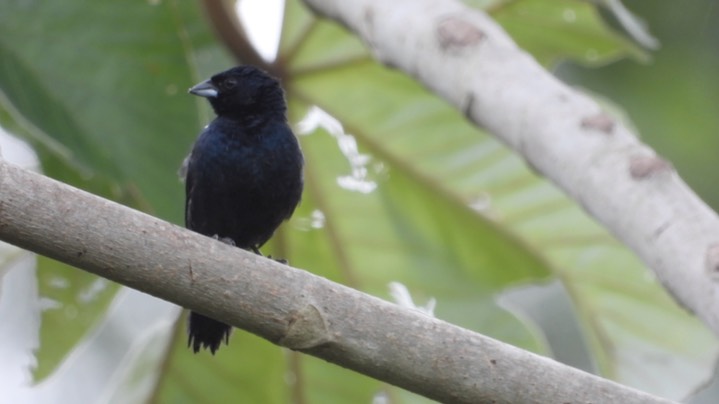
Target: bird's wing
189 185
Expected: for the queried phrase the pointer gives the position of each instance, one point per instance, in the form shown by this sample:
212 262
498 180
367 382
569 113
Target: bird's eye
229 84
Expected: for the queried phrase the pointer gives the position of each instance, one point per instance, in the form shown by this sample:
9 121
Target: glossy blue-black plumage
244 174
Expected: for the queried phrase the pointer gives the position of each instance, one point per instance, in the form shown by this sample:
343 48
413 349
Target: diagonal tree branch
463 56
286 306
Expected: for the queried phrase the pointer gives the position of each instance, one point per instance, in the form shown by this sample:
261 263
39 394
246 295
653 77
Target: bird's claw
280 260
225 240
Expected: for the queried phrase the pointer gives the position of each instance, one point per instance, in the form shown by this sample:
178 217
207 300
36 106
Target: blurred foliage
673 99
399 188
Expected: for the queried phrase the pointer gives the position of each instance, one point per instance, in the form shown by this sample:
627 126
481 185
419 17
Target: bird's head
242 91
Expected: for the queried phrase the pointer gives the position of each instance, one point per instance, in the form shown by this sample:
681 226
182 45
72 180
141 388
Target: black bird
244 174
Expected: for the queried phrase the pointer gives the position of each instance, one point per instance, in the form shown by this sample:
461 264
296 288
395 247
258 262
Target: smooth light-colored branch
466 58
287 306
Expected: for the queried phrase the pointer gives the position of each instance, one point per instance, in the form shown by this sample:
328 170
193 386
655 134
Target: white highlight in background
263 22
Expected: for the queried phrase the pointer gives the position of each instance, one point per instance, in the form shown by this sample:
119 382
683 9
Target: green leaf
411 229
119 109
249 370
100 93
75 302
554 30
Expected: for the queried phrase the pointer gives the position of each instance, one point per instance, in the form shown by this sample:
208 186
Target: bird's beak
205 89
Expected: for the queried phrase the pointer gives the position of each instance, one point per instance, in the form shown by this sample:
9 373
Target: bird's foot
225 240
255 250
280 260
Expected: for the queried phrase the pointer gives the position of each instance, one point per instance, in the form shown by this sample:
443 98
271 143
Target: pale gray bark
287 306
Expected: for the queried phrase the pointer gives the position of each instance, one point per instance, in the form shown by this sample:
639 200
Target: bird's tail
205 332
